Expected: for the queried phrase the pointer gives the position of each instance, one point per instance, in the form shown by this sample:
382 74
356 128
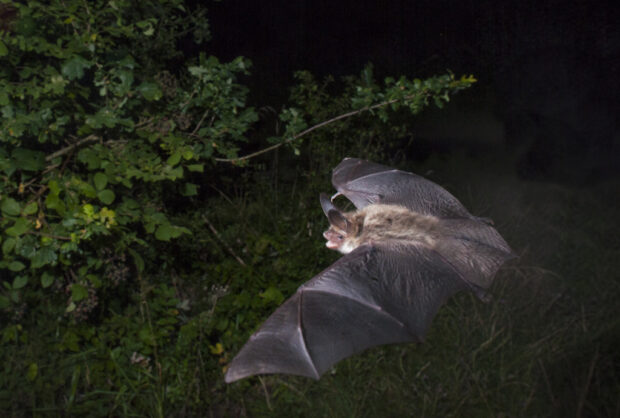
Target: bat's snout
332 242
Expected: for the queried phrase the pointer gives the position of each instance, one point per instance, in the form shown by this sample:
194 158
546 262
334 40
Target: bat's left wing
373 296
364 182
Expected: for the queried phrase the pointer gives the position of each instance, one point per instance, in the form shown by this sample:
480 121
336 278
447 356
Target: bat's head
341 229
337 240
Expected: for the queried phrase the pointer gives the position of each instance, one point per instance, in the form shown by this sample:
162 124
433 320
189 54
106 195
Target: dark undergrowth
545 345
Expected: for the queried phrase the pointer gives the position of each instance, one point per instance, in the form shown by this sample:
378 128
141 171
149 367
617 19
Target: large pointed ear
334 216
326 204
337 219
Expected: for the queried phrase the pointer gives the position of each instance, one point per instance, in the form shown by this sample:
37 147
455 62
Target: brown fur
379 222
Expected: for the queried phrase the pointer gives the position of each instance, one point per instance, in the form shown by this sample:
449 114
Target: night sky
547 70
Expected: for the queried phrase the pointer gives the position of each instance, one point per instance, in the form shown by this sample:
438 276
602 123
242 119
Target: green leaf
8 245
4 302
78 292
137 258
100 180
176 173
272 295
190 190
31 208
196 167
166 231
28 160
47 280
150 91
3 49
174 159
74 68
44 256
146 336
90 158
10 206
20 281
70 339
16 266
106 196
19 228
33 370
94 280
52 201
86 189
104 117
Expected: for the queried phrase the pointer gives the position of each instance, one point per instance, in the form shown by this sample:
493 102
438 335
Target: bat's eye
340 237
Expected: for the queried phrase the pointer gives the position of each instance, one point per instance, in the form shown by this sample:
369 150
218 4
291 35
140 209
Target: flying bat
409 246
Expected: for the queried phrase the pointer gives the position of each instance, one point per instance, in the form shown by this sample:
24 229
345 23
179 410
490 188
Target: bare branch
307 131
219 238
41 234
67 149
204 115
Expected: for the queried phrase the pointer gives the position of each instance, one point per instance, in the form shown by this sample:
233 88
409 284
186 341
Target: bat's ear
327 204
337 219
334 216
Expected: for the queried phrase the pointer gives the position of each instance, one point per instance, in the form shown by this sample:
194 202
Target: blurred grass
546 344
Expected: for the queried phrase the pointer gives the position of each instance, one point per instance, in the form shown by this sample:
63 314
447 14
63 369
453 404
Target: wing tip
232 376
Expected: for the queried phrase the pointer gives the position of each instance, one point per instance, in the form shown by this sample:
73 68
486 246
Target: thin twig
547 383
204 115
584 393
219 238
144 122
65 150
41 234
262 382
222 194
307 131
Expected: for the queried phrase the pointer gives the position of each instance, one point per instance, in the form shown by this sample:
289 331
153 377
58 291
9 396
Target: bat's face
337 240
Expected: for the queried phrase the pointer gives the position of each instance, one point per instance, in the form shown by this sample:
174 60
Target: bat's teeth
335 196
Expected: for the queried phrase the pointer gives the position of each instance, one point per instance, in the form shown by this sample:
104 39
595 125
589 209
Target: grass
546 345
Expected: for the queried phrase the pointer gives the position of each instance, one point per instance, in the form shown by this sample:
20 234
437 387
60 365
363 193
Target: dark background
547 71
534 145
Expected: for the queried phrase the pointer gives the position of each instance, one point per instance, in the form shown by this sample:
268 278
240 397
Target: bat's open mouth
331 245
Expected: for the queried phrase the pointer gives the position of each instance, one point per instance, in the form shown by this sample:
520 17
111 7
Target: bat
408 247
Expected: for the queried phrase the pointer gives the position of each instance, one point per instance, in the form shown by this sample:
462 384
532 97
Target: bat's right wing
364 182
373 296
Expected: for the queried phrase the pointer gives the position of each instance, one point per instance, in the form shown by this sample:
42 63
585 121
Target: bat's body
380 223
408 247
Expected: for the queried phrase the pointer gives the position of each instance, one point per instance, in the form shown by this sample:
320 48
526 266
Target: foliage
102 138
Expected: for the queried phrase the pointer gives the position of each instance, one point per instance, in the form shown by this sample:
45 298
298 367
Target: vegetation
151 219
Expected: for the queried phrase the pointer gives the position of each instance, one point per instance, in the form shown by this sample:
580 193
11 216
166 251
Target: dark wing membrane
364 183
372 296
475 249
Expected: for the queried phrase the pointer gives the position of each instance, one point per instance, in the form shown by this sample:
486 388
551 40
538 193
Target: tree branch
221 240
67 149
41 234
307 131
